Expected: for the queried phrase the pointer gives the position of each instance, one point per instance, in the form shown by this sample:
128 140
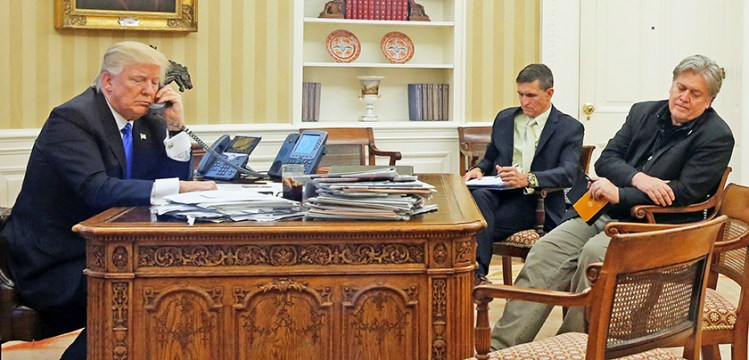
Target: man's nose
684 96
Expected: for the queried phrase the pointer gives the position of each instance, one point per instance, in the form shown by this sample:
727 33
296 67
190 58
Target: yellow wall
240 59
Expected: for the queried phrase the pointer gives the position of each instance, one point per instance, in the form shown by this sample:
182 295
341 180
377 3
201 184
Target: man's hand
173 114
188 186
602 188
473 173
656 189
512 177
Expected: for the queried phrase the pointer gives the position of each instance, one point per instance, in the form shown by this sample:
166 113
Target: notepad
591 209
490 182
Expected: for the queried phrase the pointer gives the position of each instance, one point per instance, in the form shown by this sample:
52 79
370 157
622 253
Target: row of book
311 101
376 9
380 194
429 102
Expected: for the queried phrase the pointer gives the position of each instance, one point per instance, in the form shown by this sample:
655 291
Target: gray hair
534 72
128 53
702 65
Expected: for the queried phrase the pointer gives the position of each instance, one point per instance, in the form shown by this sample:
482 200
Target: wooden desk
284 290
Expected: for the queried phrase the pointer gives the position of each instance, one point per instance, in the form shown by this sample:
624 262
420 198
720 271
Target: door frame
561 48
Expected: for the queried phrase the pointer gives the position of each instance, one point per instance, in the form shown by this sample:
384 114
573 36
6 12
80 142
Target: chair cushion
568 346
524 239
718 313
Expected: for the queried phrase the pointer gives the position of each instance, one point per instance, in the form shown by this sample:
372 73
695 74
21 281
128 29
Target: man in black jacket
669 152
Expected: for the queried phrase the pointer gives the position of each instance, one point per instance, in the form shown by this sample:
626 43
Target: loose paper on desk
489 182
589 208
228 205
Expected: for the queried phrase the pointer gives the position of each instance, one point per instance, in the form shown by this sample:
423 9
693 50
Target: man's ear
106 81
550 92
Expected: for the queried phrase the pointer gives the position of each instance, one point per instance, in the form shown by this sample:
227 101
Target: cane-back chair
643 297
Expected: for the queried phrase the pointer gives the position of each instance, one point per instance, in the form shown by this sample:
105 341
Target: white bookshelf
439 55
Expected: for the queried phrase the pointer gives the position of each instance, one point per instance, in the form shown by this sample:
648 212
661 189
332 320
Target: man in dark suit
83 163
669 152
534 145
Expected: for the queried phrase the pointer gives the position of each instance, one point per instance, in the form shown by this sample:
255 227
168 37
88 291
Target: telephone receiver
157 109
306 148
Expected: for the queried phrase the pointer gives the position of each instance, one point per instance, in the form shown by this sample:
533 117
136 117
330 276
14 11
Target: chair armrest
393 155
483 293
615 228
648 212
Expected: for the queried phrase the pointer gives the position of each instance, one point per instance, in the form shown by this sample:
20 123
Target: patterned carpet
52 348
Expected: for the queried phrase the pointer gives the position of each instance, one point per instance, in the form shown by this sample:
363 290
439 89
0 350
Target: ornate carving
363 321
464 252
279 255
67 9
183 319
440 253
439 318
187 22
95 259
439 349
120 304
284 309
119 257
439 299
120 319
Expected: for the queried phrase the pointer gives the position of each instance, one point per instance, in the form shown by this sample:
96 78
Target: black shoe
480 279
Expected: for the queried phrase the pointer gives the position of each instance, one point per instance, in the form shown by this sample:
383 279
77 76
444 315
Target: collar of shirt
121 121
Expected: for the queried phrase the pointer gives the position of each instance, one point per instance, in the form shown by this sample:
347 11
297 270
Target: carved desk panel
285 290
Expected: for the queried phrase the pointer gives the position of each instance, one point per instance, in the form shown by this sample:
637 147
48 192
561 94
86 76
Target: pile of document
380 194
230 204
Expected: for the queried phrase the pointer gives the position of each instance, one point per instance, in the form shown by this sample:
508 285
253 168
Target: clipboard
591 209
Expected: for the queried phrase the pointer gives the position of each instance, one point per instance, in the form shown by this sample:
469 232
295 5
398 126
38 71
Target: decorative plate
343 46
397 47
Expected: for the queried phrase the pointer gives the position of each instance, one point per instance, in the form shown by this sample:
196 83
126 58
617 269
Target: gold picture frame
153 15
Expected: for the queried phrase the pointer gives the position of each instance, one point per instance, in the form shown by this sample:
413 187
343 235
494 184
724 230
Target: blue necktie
127 142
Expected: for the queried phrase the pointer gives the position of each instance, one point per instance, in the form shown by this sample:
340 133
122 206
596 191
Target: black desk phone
306 148
235 152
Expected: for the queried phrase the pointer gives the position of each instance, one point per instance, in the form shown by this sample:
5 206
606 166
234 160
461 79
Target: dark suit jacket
694 163
556 162
76 171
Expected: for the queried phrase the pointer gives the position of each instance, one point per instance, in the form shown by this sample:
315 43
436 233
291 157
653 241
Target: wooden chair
710 207
644 296
472 143
19 322
520 243
724 322
353 146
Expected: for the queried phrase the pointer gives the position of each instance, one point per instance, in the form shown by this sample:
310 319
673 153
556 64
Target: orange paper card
590 209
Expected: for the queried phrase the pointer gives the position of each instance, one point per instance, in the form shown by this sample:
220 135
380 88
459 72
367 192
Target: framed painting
153 15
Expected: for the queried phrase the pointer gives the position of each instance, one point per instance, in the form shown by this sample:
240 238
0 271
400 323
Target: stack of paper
379 194
228 205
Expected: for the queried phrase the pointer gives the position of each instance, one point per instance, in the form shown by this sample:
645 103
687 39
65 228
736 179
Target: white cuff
163 187
178 147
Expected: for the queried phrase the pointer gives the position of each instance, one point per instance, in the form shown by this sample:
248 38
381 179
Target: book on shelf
446 102
414 102
311 101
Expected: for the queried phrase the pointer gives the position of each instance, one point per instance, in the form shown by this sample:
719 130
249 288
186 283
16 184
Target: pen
587 177
516 166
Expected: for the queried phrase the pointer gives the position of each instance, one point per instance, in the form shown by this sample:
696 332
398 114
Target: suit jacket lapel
549 129
505 140
111 132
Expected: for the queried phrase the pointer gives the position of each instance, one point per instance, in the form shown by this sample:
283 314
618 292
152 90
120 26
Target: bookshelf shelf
438 58
378 65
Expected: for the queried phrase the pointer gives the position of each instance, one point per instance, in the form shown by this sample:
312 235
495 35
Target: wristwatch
532 181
